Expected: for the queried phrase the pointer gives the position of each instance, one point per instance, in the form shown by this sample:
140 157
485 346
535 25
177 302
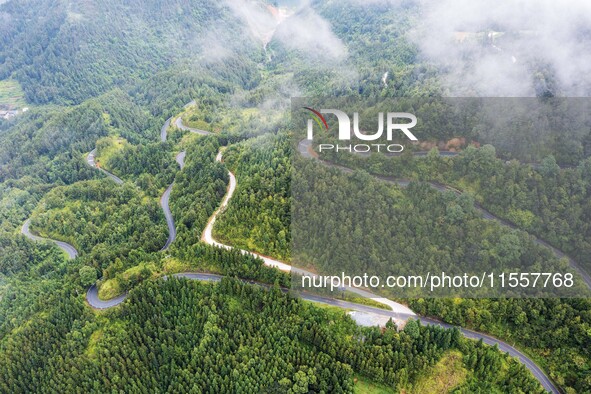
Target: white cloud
308 32
532 35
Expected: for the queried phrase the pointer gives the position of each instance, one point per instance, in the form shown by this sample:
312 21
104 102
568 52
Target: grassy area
447 374
112 287
195 122
333 309
173 266
352 297
193 117
106 147
228 118
366 386
109 289
11 94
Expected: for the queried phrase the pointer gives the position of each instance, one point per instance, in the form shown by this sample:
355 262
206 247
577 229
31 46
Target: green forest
232 337
510 190
107 77
259 217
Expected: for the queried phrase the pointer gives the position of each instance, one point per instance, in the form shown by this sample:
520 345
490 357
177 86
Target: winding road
207 237
398 311
91 160
66 247
94 301
305 149
179 124
180 159
164 200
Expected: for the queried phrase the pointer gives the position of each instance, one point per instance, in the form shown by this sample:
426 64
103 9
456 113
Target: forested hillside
108 76
542 199
259 216
100 219
77 50
240 338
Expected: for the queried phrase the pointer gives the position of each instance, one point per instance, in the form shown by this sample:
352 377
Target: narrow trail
399 311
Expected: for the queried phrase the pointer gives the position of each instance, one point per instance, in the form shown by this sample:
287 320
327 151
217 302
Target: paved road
164 129
164 203
304 148
93 299
399 311
180 159
179 124
66 247
95 302
90 159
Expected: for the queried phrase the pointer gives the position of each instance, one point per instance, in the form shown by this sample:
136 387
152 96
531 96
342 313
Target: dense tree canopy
116 73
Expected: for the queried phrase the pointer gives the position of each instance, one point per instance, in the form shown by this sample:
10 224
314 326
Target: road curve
399 311
164 200
304 148
90 160
207 237
66 247
179 124
180 159
165 204
538 373
94 301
